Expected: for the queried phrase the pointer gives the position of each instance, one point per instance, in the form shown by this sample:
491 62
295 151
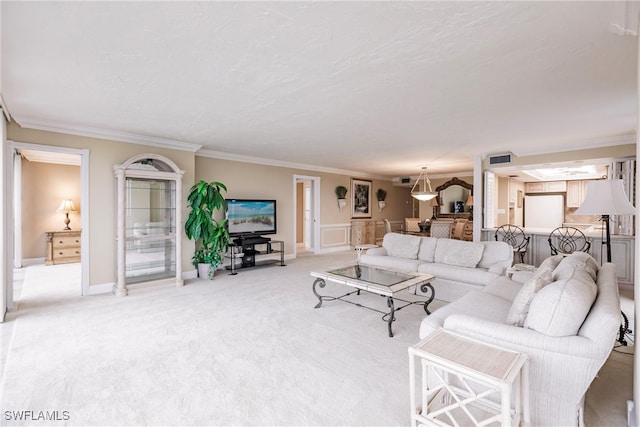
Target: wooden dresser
62 247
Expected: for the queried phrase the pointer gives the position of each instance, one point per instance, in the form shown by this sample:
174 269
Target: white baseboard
32 261
334 249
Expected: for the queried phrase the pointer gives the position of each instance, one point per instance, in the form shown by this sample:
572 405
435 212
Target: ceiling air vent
500 159
405 180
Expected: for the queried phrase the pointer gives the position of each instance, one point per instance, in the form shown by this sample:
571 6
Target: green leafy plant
204 199
341 191
381 194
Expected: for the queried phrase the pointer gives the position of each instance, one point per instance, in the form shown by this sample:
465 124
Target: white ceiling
377 88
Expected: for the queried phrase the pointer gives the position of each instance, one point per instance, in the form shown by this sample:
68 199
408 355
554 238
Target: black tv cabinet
249 251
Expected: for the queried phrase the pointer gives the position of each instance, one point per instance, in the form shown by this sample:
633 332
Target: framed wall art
361 203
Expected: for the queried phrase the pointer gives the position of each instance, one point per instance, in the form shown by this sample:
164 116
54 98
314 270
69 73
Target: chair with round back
567 240
514 236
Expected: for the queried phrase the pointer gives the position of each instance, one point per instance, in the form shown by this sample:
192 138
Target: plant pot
342 203
381 205
204 270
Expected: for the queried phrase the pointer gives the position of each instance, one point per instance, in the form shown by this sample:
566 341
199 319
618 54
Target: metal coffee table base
389 316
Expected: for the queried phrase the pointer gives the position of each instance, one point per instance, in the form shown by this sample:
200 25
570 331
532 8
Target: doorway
306 201
17 189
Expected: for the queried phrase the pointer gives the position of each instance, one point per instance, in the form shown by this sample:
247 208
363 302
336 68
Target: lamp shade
469 201
434 202
66 206
606 197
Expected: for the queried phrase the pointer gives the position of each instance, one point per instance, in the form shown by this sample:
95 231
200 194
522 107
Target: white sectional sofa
565 316
458 266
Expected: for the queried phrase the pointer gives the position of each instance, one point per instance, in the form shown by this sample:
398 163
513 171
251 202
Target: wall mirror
452 197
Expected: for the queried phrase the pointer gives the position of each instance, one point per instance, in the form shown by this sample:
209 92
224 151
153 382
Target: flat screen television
251 217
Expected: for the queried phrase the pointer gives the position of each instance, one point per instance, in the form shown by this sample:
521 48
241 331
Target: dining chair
441 229
514 236
387 226
458 228
411 225
567 240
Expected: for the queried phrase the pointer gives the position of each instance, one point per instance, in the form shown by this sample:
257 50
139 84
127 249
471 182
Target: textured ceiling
378 88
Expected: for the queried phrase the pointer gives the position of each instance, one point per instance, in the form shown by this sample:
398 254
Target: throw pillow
458 252
401 245
559 309
520 306
577 260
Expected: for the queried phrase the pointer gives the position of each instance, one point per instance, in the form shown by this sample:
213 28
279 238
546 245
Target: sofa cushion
503 287
477 303
458 252
474 276
559 309
579 260
520 307
495 252
398 264
427 251
541 277
401 245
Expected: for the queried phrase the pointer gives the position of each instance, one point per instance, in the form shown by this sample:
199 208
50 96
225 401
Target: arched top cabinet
148 237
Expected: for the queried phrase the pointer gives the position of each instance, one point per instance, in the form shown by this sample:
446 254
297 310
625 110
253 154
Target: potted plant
341 192
212 236
381 195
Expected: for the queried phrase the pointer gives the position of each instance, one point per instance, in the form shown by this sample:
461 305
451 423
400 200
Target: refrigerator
544 211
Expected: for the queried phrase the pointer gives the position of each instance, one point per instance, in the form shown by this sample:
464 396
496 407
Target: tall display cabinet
148 238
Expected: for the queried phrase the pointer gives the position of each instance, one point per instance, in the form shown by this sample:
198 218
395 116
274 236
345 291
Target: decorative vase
342 203
381 205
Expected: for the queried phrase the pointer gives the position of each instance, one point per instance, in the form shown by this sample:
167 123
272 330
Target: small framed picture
361 203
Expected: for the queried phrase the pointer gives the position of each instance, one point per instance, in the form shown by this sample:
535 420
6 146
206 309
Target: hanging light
424 194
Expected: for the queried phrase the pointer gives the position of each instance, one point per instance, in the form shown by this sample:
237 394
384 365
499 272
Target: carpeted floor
239 350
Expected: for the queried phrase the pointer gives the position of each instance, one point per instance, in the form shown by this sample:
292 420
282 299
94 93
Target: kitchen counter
589 232
622 249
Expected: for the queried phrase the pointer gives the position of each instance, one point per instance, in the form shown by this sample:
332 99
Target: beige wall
44 186
248 180
104 154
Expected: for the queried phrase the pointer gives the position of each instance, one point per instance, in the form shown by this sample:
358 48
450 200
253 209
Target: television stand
245 251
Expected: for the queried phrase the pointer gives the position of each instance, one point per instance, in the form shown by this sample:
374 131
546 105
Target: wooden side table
62 247
481 370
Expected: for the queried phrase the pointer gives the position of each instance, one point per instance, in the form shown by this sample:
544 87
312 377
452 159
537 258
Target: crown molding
205 152
110 135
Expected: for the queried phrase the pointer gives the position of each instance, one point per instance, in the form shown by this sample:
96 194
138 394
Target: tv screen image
251 216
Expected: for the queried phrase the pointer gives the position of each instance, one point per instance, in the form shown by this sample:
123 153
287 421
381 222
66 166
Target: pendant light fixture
424 194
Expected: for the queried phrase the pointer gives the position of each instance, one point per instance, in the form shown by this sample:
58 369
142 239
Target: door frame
11 189
314 185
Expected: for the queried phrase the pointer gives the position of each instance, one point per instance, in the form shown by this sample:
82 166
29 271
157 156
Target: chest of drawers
62 247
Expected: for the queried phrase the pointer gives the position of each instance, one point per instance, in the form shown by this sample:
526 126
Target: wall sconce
67 207
381 195
341 193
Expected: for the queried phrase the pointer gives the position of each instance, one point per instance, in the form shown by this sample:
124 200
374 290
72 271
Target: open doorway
39 176
306 205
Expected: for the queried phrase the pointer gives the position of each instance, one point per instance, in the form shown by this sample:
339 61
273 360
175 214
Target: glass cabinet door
150 224
149 218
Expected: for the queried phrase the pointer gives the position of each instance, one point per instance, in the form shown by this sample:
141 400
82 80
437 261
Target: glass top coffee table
380 281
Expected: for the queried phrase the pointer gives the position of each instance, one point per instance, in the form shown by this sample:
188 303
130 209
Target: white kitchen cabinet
576 190
545 187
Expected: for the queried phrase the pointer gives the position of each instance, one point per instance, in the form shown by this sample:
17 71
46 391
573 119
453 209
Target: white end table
481 370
